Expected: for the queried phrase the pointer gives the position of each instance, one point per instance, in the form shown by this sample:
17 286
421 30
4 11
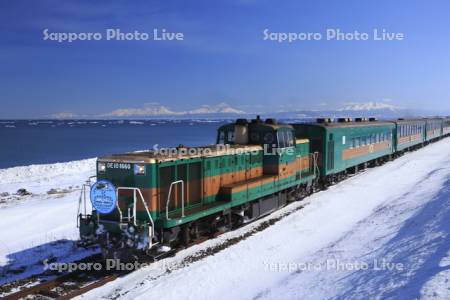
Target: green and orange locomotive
149 201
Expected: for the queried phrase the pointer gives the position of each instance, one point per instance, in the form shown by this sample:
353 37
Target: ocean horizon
27 142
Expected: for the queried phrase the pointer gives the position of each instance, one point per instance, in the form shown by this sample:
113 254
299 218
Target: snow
381 234
156 109
40 225
368 106
40 179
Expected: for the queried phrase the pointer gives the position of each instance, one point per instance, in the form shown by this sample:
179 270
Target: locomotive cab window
285 139
225 137
221 137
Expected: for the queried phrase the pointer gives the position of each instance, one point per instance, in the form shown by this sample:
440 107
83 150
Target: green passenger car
409 133
446 127
434 128
347 144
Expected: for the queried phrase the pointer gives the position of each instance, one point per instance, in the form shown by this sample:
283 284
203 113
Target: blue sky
223 57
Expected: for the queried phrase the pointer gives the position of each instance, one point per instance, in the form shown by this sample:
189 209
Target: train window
357 142
290 139
281 140
230 138
221 139
352 143
285 139
377 138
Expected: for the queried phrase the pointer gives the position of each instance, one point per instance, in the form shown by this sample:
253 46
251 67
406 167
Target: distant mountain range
225 111
158 110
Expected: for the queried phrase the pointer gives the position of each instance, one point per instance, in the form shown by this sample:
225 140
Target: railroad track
64 287
78 282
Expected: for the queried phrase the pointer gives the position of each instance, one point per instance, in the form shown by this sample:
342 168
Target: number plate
115 165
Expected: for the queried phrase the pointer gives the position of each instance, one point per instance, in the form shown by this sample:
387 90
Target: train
152 201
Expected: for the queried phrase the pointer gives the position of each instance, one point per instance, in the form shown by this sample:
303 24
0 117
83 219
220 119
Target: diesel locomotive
150 201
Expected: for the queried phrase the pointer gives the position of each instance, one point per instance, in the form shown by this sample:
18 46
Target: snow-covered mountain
369 106
221 108
158 110
149 109
382 110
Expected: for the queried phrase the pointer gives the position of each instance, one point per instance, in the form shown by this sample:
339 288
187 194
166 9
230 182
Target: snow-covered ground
381 234
43 224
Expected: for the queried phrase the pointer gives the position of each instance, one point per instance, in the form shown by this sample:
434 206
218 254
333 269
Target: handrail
82 198
134 206
182 198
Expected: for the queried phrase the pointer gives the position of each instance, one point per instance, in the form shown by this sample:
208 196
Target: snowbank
41 178
41 225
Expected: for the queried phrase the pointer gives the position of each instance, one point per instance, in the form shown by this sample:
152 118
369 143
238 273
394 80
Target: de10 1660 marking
123 166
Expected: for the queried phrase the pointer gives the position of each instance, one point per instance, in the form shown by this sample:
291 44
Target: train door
248 166
330 152
194 185
208 166
166 177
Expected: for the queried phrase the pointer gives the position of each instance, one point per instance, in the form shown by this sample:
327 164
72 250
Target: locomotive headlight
139 169
101 167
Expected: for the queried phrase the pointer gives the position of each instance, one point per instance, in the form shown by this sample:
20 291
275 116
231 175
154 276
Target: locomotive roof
185 153
261 123
347 124
409 120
